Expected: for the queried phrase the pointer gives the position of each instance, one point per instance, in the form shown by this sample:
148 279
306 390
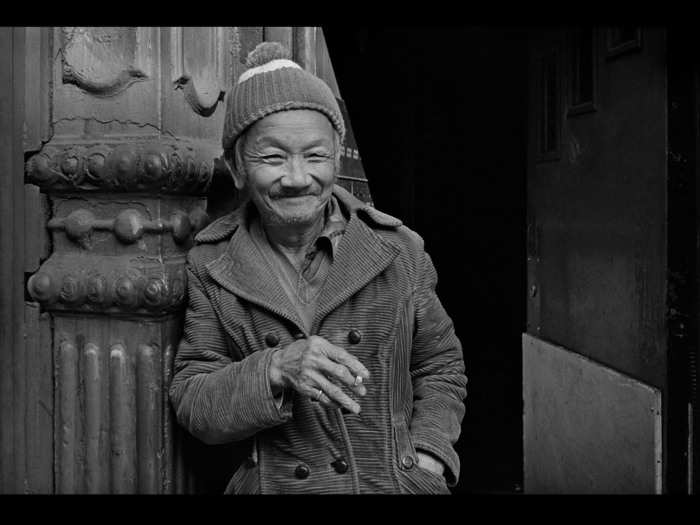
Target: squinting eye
317 157
272 158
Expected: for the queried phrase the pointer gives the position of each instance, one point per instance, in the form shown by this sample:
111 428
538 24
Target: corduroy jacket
379 303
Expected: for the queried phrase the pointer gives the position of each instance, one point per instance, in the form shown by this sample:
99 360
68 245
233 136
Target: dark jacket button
340 466
407 462
354 336
272 340
302 471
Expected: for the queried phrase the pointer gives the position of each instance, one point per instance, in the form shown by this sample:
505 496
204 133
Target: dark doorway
439 115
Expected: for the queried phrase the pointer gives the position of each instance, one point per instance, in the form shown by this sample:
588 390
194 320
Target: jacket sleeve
216 399
437 372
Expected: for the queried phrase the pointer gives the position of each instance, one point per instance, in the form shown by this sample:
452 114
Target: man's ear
237 176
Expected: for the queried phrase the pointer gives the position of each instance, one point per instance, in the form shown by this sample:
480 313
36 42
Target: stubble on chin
275 216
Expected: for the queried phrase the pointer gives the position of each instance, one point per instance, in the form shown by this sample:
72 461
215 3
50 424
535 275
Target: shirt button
340 466
354 336
302 471
407 462
272 340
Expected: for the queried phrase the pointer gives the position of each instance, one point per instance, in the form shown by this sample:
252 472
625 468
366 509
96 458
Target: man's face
289 164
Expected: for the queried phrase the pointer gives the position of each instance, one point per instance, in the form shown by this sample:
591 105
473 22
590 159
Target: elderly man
313 334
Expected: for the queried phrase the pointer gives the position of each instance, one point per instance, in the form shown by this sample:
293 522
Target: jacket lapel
362 255
244 271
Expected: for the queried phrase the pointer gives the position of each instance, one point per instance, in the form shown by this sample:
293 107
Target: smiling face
289 166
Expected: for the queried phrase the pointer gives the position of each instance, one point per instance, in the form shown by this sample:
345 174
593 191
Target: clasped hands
314 367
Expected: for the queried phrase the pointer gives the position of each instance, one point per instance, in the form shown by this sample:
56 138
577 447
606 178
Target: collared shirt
303 285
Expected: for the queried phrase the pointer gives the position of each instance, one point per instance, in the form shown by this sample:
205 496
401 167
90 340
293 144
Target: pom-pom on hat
273 82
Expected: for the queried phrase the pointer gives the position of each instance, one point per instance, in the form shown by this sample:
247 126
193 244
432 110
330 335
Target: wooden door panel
12 356
39 407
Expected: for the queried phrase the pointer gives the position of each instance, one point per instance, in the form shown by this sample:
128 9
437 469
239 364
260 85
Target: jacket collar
243 271
223 227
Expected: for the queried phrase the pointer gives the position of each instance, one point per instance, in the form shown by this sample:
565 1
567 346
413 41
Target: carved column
134 119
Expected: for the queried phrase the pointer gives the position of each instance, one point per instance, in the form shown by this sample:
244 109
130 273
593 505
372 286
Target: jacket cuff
428 442
271 409
256 402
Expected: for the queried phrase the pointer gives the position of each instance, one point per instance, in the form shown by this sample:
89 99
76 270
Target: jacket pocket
412 478
246 480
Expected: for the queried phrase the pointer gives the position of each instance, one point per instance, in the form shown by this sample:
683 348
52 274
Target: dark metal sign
352 174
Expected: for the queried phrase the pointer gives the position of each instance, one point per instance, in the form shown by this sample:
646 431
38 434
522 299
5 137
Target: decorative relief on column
117 255
95 408
129 226
67 413
148 400
69 282
104 61
163 166
123 418
113 422
202 65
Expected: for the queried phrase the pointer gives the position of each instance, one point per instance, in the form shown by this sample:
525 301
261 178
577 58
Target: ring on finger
318 395
358 380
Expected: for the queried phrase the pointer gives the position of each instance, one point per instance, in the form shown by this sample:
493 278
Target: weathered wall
597 215
597 260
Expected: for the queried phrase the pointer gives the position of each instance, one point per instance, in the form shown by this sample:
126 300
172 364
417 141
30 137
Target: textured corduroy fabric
304 284
277 90
382 285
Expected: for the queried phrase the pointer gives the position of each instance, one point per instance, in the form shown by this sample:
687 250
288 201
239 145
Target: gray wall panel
587 428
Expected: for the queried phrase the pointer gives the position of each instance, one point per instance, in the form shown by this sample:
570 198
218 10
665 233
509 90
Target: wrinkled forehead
294 127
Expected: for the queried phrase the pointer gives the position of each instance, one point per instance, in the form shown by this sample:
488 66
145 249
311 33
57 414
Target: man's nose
297 175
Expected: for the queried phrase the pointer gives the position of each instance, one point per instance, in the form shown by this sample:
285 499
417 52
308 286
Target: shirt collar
328 239
334 226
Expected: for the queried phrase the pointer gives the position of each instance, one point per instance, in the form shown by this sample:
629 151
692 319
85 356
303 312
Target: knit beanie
271 83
